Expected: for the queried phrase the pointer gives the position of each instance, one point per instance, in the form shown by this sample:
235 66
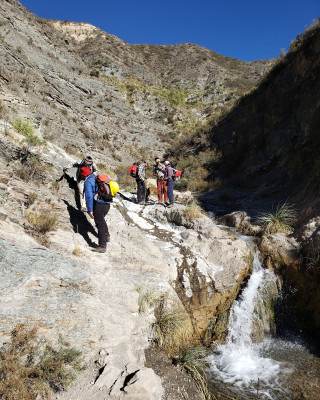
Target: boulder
242 222
143 385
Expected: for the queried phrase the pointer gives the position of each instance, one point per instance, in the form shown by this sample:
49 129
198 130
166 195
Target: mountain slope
270 141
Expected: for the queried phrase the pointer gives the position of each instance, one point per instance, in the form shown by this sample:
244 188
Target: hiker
158 171
169 178
98 208
84 168
141 185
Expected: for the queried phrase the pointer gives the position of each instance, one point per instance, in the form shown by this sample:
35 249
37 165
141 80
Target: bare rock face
309 236
281 249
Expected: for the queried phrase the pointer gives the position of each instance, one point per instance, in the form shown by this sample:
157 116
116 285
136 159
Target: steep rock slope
93 300
270 142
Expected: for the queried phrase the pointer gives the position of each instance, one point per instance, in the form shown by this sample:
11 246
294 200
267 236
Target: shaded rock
242 222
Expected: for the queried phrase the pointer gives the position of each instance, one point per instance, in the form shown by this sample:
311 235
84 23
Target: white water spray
239 361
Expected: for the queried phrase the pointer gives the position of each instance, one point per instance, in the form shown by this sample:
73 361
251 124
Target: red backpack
84 172
133 170
104 191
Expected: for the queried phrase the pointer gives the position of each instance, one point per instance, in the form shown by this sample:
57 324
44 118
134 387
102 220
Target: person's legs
170 191
80 185
141 191
99 213
165 191
160 189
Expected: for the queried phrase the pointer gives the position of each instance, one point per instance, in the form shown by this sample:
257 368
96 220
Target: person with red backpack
84 168
99 191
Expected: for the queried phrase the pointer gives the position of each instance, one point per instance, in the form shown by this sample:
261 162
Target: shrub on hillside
42 221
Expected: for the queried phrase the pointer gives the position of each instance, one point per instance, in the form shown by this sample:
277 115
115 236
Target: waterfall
240 361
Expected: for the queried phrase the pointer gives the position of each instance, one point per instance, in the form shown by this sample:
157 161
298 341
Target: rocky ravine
93 300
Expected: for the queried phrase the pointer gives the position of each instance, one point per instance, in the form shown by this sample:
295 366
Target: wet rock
209 276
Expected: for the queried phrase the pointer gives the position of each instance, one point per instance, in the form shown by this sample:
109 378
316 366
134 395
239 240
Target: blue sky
247 30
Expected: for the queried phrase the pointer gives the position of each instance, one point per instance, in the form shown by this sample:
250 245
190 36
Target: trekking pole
61 187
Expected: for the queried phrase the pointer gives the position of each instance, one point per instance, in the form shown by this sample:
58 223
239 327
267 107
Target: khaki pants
82 198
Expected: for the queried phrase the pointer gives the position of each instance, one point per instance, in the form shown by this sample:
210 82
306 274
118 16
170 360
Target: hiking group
165 175
96 191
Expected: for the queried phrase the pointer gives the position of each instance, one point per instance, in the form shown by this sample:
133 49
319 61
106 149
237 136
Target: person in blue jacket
97 209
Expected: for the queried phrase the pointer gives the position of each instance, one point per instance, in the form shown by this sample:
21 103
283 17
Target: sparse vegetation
193 211
76 251
281 220
123 178
173 331
27 129
32 169
194 360
42 223
32 197
31 368
150 299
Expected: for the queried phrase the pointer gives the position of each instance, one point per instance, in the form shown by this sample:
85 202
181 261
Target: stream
243 368
275 369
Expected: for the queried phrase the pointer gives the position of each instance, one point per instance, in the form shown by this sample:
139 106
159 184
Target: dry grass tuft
77 251
31 368
42 223
194 360
193 211
282 220
150 299
173 331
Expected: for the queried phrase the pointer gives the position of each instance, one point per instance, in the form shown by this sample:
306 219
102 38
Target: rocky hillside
87 90
269 143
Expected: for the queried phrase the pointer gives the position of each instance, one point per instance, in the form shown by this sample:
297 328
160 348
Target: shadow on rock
80 224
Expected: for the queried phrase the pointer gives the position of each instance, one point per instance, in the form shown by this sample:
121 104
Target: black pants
99 213
141 190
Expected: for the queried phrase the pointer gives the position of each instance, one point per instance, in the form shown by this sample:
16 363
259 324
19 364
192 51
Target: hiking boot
170 206
99 250
108 238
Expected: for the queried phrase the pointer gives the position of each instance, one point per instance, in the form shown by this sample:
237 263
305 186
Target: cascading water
240 362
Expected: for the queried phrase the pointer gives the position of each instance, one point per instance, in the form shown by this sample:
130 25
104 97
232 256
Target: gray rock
144 385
